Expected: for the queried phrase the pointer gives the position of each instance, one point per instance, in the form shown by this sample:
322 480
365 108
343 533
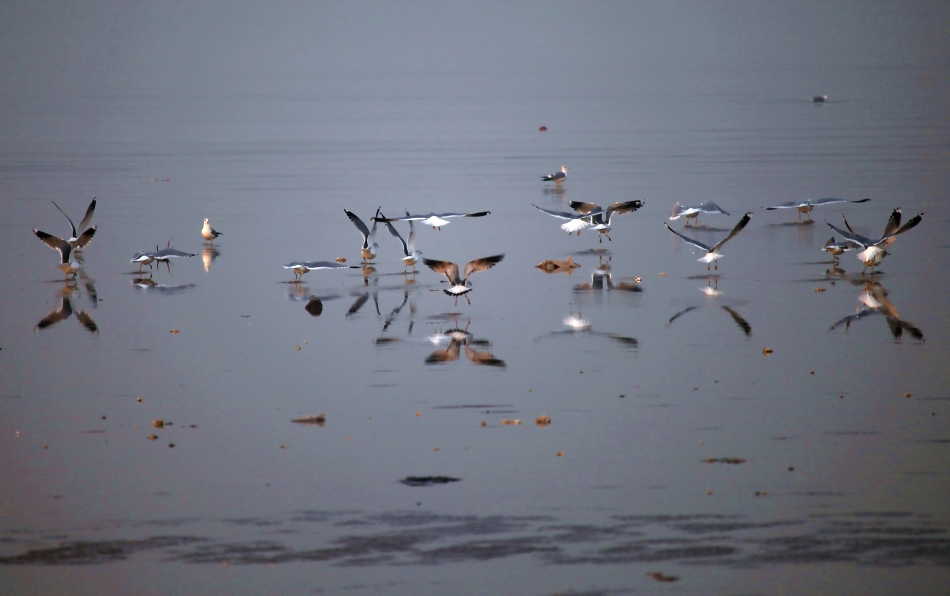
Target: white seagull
712 253
76 240
301 267
436 220
693 212
368 250
460 285
66 264
408 246
209 233
806 206
835 249
575 221
557 178
600 217
874 250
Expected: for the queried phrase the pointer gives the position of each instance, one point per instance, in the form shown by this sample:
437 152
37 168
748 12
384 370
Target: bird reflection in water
712 290
208 255
601 279
65 311
577 325
458 339
874 301
147 283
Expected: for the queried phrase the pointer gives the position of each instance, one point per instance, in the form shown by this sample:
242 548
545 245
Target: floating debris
766 351
428 480
660 577
819 289
319 420
542 420
175 331
341 259
723 460
152 437
158 423
314 307
543 129
507 421
551 266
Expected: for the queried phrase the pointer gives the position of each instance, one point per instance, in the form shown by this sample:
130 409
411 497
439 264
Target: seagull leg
467 300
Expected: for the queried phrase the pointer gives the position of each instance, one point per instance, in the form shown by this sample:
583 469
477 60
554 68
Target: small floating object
766 351
723 460
152 437
819 98
542 420
552 266
543 128
428 480
660 577
175 331
819 289
158 423
319 419
509 422
341 259
314 306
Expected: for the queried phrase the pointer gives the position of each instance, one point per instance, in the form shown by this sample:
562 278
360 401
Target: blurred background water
270 122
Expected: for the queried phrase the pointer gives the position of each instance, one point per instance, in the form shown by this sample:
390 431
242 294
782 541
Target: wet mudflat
775 425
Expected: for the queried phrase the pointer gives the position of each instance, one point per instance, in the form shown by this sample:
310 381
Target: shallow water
828 454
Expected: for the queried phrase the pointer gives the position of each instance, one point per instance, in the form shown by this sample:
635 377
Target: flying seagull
460 285
575 221
557 178
66 264
76 240
875 250
693 212
209 233
712 253
806 206
436 220
368 250
600 217
408 246
301 267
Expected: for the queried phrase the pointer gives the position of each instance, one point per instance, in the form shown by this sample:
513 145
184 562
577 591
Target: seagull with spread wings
436 220
806 206
76 240
600 217
875 250
712 252
694 212
460 286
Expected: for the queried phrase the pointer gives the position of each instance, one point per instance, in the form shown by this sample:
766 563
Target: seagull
575 222
819 98
408 247
369 247
209 233
301 267
557 178
76 240
451 271
838 248
600 217
693 212
166 254
874 250
66 265
145 257
436 220
806 206
712 253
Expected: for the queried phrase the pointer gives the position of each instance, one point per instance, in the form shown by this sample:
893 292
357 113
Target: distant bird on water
712 252
209 233
557 178
76 240
819 98
806 206
693 212
460 285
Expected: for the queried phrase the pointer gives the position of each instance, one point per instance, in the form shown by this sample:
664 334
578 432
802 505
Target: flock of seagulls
584 215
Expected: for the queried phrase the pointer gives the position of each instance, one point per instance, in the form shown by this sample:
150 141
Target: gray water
270 123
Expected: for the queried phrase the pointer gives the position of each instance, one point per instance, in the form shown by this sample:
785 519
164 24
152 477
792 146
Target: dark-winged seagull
806 206
693 212
575 221
460 285
76 240
368 250
557 178
874 250
712 252
600 217
408 246
66 264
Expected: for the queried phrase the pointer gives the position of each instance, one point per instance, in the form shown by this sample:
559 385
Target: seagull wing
827 201
55 243
621 207
84 240
710 207
910 224
742 223
560 214
71 224
849 235
678 211
167 253
359 226
480 265
87 321
585 208
741 322
392 230
893 223
60 314
449 270
88 217
695 243
788 205
476 214
681 313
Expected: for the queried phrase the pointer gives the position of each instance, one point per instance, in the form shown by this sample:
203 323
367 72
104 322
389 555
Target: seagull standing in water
460 285
557 178
600 217
875 250
209 233
806 206
693 212
67 265
368 250
712 252
408 246
76 240
436 220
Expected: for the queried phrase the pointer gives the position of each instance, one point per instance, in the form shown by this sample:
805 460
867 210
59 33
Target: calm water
842 428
